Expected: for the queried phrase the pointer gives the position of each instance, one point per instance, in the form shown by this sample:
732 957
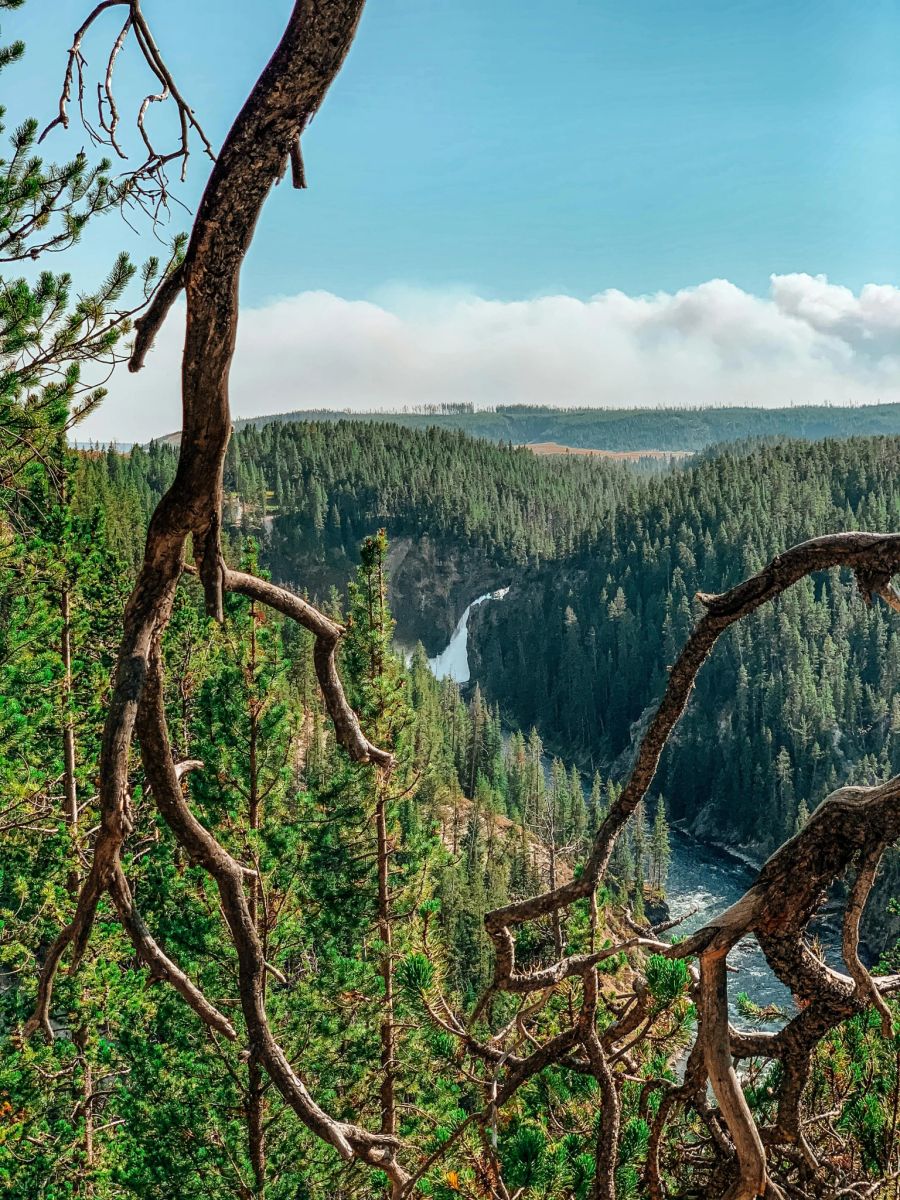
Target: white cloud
808 341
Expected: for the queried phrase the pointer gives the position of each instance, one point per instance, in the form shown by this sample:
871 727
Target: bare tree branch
852 825
327 634
147 183
160 964
866 986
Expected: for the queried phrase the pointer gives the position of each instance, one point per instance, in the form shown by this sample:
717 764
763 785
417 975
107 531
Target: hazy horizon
426 410
809 341
594 216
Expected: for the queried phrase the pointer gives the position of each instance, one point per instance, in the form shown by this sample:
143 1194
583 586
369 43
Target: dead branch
298 170
327 634
159 963
149 325
148 183
866 987
350 1141
866 552
790 887
289 90
713 1036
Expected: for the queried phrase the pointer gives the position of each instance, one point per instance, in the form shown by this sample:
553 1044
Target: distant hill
627 429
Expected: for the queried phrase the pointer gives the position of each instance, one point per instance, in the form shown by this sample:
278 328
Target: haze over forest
809 341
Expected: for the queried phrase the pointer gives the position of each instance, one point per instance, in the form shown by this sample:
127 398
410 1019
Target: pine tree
378 688
596 806
577 811
639 845
660 847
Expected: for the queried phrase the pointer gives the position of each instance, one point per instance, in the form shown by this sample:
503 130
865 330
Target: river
701 878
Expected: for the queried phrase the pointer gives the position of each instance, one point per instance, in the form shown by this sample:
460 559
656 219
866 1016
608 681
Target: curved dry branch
114 828
349 1140
290 89
869 555
713 1036
327 634
859 551
159 963
75 63
779 905
866 988
262 140
105 94
77 933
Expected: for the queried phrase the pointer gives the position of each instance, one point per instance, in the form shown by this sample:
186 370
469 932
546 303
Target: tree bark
70 788
386 967
288 92
256 1105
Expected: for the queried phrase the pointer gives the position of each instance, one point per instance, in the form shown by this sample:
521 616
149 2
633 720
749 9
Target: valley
461 759
602 562
701 882
539 601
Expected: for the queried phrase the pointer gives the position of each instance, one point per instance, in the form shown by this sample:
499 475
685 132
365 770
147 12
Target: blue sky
518 147
512 150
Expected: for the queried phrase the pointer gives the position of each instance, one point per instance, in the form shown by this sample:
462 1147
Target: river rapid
702 882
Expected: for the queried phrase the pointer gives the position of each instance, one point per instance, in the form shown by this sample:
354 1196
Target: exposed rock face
430 583
657 910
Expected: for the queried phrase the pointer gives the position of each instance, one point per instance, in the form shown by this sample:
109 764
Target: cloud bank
809 341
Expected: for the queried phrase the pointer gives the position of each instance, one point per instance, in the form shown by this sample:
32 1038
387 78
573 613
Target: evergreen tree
660 847
378 682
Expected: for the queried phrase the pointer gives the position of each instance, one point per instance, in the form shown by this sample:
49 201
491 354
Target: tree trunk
256 1122
70 789
555 920
256 1105
473 763
388 1063
79 1037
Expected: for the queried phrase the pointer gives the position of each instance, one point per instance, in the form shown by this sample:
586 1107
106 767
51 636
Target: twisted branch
327 636
199 843
790 887
861 552
263 138
866 988
290 89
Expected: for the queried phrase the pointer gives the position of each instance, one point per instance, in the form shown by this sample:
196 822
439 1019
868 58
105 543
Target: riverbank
702 881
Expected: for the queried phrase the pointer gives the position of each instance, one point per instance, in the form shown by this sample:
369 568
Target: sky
597 202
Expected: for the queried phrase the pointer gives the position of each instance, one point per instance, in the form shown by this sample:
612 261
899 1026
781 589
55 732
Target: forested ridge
328 482
470 825
624 428
806 684
581 646
469 511
471 822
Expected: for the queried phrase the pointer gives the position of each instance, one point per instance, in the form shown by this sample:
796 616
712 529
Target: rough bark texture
289 91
